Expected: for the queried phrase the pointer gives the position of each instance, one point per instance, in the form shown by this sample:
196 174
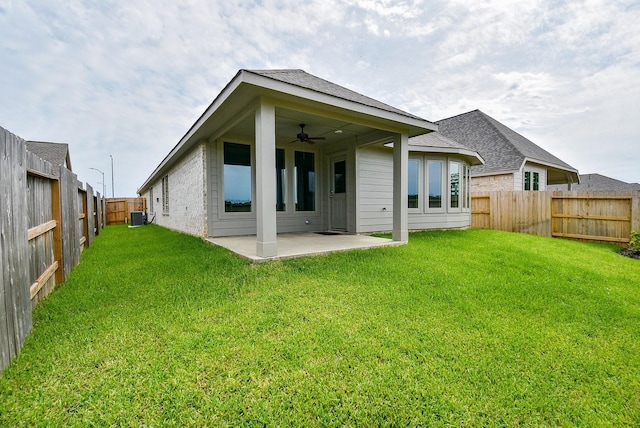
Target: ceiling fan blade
304 138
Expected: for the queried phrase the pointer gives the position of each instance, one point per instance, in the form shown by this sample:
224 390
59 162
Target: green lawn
458 328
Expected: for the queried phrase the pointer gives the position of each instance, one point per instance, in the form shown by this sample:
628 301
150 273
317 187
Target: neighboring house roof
434 142
56 153
503 149
299 97
597 182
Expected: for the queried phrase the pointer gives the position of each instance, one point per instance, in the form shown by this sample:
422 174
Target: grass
458 328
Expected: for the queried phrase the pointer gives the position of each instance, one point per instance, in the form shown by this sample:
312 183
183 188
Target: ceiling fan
303 137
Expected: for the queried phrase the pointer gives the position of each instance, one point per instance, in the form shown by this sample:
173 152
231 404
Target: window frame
466 189
222 214
165 195
294 178
151 211
420 179
285 182
451 208
443 191
531 179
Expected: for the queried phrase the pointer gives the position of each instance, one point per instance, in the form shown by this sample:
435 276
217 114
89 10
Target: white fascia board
572 174
547 164
489 174
450 150
402 121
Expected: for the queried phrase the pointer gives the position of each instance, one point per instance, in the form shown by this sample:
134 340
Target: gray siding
375 190
375 199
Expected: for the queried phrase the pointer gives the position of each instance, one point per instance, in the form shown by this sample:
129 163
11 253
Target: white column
400 188
266 240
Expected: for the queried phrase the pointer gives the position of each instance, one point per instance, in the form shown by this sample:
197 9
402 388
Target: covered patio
292 245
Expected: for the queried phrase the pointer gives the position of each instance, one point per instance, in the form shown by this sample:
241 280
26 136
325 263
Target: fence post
635 211
56 212
85 220
15 300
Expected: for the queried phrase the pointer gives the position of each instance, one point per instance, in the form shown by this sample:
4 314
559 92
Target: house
282 151
512 162
597 182
56 153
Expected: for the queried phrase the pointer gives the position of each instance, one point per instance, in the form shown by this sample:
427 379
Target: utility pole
112 190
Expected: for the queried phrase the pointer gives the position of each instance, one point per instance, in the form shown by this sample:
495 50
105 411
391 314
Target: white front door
338 194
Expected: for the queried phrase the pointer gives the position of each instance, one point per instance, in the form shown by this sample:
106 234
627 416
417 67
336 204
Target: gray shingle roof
56 153
502 148
597 182
308 81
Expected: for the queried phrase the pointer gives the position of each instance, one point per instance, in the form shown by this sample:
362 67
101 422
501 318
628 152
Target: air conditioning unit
137 218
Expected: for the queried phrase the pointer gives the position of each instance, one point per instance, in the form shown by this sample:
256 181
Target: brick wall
187 195
492 183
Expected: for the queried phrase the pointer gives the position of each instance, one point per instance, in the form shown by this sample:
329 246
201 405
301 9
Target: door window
339 177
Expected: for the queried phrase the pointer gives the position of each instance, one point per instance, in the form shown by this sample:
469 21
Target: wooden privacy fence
119 209
46 220
588 216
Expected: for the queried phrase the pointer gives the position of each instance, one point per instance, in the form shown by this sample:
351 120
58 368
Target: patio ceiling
288 123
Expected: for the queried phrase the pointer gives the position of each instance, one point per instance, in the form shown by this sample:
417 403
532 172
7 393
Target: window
151 199
237 177
305 181
434 177
454 185
165 195
414 183
466 187
340 177
281 181
530 176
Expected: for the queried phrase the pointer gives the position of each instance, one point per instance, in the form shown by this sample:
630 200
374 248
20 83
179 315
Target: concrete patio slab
302 244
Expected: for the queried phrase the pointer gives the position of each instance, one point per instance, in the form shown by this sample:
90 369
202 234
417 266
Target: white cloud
129 78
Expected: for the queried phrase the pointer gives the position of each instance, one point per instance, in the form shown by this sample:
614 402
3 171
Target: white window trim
524 180
466 188
443 179
151 201
457 209
291 209
290 165
165 195
287 199
222 214
421 193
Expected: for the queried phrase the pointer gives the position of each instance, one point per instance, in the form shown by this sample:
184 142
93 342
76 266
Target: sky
126 79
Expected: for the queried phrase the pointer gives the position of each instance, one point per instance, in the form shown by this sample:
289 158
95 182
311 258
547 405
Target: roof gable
503 149
295 94
435 142
305 80
56 153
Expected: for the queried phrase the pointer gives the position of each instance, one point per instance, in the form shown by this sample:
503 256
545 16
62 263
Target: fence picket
39 235
591 216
